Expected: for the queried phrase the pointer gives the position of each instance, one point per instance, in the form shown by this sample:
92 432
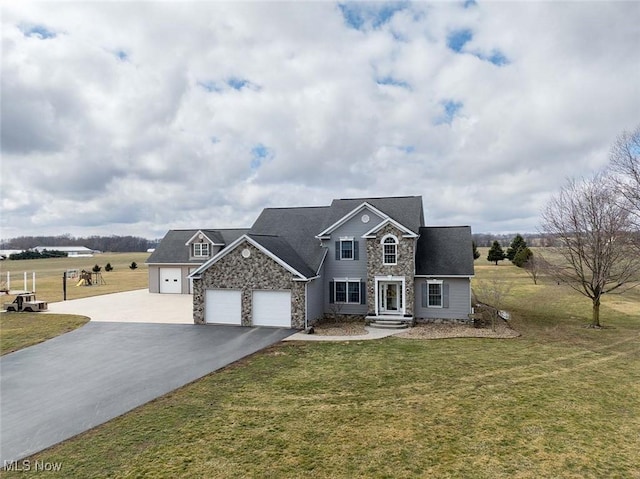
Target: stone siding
405 266
258 272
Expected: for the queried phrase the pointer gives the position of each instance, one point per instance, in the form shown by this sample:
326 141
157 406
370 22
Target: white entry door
171 280
390 295
272 308
223 306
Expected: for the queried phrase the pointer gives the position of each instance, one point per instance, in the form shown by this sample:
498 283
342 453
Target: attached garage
272 308
171 280
223 306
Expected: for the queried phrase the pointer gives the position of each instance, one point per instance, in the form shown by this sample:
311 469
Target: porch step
393 322
388 325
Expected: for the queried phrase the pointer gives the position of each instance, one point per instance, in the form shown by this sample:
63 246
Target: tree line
116 244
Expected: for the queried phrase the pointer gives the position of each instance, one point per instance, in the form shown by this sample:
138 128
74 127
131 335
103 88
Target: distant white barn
72 251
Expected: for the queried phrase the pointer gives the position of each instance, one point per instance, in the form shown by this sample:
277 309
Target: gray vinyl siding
315 299
154 279
154 276
348 268
459 300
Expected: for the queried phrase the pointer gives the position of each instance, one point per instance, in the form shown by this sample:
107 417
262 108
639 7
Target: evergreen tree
517 244
522 256
476 253
495 253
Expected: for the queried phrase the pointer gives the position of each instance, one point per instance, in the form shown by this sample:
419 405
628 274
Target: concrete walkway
137 306
69 384
374 333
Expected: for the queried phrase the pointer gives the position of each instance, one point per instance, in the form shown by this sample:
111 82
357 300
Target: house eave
407 233
221 254
200 232
348 216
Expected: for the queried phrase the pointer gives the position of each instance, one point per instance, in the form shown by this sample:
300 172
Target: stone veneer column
405 266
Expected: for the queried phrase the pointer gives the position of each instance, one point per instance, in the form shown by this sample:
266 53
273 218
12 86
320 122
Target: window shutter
337 250
445 295
424 295
363 292
331 292
355 251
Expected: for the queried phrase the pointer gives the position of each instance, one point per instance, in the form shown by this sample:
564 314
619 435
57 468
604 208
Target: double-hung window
200 250
346 249
347 291
390 250
434 294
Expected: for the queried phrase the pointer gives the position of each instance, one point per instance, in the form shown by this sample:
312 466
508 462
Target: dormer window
390 250
200 250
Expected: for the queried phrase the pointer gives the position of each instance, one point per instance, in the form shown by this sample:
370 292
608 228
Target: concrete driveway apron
62 387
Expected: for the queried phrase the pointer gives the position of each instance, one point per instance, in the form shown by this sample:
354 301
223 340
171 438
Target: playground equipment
87 278
26 302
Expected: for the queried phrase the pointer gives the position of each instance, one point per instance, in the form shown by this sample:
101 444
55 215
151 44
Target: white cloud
140 117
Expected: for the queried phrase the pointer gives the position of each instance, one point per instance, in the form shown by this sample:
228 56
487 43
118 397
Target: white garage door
223 306
171 280
272 308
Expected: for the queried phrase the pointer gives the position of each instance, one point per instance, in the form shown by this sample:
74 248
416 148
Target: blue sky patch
358 15
37 31
498 58
210 86
121 55
407 148
451 108
389 80
237 83
458 39
469 3
259 154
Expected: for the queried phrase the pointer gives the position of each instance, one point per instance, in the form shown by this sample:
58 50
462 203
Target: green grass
49 275
19 330
561 401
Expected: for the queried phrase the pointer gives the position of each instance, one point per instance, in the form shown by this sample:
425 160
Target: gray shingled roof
297 227
283 250
289 233
445 250
172 248
406 210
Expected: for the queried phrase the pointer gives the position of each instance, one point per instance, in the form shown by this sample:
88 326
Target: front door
390 297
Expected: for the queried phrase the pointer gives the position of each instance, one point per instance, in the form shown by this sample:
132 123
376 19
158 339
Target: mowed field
49 275
560 401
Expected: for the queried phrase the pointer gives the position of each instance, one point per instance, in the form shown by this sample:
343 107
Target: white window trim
346 281
400 279
440 282
200 255
382 242
352 241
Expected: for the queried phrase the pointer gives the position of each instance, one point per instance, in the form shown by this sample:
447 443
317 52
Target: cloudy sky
134 118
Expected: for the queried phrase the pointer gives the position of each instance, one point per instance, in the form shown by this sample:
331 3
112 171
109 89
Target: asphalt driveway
57 389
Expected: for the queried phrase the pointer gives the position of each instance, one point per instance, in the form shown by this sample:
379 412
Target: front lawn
562 401
19 330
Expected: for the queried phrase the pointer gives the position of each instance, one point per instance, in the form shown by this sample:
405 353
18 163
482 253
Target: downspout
306 305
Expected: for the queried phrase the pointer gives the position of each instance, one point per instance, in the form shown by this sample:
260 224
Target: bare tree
625 165
535 266
493 293
595 231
